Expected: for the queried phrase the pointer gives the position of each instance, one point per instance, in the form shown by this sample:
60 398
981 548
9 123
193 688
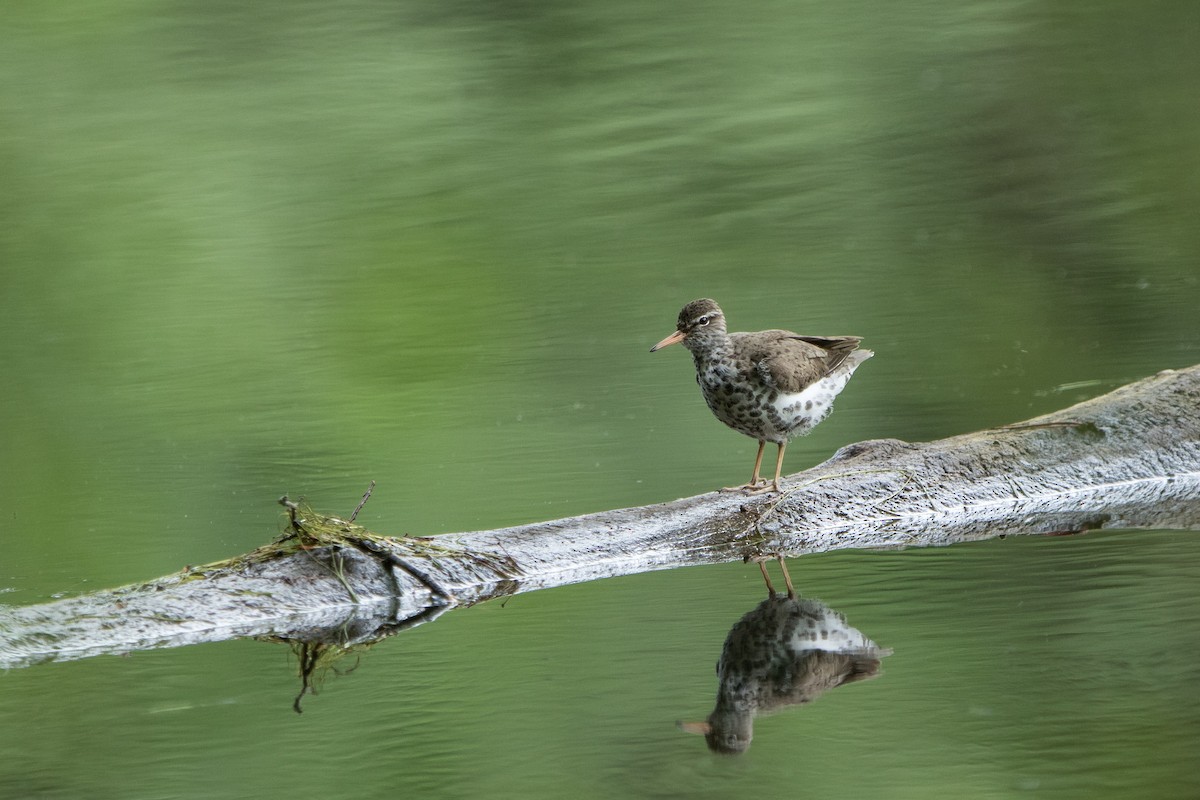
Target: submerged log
1128 459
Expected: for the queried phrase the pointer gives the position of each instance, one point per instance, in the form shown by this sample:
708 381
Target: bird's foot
754 487
761 558
758 487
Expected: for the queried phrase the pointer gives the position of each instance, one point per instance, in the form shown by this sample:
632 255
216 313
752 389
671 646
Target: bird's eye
703 320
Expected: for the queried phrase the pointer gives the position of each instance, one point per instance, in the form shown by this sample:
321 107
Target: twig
291 507
363 502
878 505
308 655
394 561
1025 426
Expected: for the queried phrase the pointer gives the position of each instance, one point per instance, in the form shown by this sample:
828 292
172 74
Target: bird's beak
674 338
702 728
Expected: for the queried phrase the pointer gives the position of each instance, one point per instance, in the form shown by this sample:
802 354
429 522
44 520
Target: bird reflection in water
788 651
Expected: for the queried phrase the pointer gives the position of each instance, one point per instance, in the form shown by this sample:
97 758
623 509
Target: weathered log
1128 459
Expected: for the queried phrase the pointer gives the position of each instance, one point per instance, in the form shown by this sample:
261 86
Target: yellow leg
786 577
753 485
773 485
779 464
762 566
766 578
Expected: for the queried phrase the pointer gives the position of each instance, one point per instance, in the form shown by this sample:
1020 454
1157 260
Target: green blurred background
256 248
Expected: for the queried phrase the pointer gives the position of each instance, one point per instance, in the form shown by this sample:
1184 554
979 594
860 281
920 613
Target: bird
769 385
787 651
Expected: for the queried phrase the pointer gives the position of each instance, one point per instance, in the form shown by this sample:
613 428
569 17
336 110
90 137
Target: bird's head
724 731
699 319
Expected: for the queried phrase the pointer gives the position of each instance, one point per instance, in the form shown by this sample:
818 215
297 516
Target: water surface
287 248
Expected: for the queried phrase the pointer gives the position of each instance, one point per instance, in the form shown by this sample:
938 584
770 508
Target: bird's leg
779 469
753 485
762 565
786 577
754 488
754 479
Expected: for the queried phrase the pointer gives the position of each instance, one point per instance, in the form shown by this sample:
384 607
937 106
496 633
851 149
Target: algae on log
1128 459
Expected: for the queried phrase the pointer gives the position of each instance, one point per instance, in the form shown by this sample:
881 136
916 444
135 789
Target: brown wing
790 361
820 670
837 348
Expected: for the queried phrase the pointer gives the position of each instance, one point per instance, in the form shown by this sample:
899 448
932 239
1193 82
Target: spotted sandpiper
770 385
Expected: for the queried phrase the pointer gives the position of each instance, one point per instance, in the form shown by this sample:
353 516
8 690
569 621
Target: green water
250 249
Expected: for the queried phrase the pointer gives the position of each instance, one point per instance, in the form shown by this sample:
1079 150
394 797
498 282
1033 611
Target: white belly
802 411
